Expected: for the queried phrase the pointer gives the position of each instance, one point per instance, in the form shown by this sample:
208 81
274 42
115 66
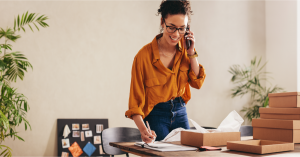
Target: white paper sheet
165 147
198 127
231 123
66 131
174 135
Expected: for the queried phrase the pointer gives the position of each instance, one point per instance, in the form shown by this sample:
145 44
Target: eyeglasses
172 29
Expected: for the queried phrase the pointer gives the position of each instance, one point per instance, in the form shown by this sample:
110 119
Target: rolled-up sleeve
137 91
194 81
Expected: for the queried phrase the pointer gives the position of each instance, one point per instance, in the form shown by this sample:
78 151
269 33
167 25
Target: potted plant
13 65
248 81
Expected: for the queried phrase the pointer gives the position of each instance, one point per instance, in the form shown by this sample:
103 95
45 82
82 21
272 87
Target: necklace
159 49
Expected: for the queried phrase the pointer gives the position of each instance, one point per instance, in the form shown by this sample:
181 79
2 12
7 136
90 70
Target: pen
149 130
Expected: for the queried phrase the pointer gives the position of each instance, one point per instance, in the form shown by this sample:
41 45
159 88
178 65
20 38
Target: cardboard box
196 139
284 100
276 124
280 113
277 130
260 146
280 116
284 135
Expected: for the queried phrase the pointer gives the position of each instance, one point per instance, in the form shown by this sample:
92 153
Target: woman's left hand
190 36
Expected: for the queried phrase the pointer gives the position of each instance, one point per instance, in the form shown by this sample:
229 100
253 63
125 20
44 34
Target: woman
162 74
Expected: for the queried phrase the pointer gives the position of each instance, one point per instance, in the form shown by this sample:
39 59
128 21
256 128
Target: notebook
164 147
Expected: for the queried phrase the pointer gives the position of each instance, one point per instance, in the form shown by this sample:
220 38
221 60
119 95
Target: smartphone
208 148
188 42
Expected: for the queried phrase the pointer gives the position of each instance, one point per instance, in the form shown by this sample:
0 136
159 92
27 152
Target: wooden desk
131 148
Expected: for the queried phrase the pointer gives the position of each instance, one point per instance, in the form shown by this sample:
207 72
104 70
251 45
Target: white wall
281 43
82 62
298 46
228 33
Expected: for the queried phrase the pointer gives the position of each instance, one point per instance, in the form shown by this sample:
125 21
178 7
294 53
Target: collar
156 55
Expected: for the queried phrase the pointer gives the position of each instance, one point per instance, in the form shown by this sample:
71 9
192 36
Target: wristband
194 55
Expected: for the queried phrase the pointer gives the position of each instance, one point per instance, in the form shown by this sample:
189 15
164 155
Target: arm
195 66
146 136
197 74
137 101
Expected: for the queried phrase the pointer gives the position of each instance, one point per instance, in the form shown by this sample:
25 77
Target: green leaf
36 26
25 106
4 152
259 61
9 34
29 18
7 46
40 17
34 16
22 20
25 19
11 132
18 21
15 24
19 138
30 27
7 154
18 65
27 123
45 24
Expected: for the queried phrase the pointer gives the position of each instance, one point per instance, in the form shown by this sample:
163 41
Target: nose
176 33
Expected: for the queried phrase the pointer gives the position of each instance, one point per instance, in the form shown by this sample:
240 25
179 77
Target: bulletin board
92 128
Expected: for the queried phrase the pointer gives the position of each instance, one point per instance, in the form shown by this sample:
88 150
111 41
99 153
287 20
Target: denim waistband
175 101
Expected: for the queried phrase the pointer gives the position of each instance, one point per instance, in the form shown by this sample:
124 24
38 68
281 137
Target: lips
174 39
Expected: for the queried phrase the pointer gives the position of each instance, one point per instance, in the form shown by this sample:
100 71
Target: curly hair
175 7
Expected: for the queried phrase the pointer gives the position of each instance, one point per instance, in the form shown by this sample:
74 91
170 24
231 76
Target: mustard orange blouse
152 82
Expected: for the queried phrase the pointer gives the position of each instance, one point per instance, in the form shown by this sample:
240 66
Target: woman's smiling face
174 21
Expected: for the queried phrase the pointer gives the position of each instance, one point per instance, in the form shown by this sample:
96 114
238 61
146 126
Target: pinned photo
99 128
82 136
64 154
97 139
76 133
65 143
75 126
100 149
85 126
88 133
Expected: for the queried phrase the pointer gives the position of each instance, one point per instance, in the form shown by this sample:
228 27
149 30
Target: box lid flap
276 123
279 110
284 94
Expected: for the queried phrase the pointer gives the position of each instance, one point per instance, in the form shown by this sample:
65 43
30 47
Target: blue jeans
167 116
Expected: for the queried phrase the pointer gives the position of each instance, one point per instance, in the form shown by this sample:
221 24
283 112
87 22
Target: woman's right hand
148 137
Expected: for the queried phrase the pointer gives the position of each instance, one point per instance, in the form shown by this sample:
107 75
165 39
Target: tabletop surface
131 148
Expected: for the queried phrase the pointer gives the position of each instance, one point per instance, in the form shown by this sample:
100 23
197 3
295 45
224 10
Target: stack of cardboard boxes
281 120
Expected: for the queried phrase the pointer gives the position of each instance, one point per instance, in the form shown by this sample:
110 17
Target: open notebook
164 147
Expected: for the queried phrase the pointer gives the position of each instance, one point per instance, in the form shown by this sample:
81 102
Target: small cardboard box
277 130
280 113
197 139
260 146
284 100
285 135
